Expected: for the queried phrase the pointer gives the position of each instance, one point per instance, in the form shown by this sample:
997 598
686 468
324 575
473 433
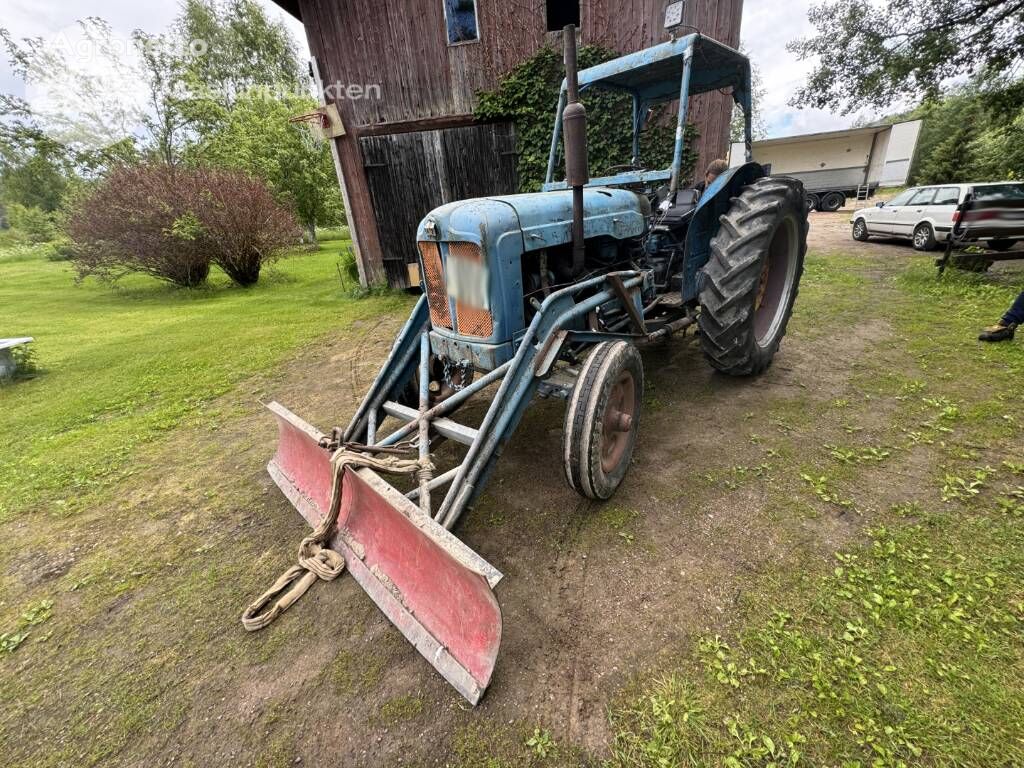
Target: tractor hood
538 219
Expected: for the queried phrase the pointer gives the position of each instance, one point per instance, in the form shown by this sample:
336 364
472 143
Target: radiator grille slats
433 279
473 321
469 321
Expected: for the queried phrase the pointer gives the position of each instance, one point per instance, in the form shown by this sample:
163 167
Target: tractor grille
433 279
469 321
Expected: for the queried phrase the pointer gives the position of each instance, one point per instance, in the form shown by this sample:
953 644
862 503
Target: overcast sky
767 26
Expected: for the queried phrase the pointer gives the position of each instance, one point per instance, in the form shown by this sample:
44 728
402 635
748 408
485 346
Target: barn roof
291 6
654 73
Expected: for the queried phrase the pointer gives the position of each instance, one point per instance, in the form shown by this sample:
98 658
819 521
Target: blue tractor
550 294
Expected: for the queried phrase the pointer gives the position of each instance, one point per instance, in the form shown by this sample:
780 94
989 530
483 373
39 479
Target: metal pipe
447 405
489 435
684 94
423 475
637 125
401 355
574 126
437 482
556 134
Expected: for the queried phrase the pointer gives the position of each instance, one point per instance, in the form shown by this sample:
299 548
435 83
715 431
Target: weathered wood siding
402 46
409 174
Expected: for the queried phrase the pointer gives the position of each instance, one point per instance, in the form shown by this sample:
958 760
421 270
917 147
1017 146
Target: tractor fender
713 204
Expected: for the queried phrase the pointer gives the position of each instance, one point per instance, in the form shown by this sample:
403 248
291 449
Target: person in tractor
1004 329
714 170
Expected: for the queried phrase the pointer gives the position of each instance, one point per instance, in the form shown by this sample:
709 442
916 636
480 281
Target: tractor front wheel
751 281
602 418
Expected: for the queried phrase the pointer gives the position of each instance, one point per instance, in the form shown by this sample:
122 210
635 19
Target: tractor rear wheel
751 281
602 418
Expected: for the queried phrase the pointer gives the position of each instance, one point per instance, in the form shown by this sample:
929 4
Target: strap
316 560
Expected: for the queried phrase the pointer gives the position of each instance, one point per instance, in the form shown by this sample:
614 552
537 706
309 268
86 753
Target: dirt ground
594 595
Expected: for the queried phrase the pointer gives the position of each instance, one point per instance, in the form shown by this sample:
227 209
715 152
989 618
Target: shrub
34 224
18 252
527 96
333 233
240 223
172 223
131 222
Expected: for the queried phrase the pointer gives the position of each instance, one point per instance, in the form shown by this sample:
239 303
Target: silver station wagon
925 215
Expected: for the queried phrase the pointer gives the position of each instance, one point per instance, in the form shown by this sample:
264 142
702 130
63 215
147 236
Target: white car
925 215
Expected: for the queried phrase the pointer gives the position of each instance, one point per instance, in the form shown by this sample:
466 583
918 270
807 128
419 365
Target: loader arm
433 587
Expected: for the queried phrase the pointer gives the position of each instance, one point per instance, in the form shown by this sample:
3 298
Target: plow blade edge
431 586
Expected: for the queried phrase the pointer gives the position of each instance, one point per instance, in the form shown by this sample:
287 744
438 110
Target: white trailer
837 165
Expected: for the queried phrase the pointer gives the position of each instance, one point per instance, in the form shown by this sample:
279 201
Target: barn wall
401 45
409 174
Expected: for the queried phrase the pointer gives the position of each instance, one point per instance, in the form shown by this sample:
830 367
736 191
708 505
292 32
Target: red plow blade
429 584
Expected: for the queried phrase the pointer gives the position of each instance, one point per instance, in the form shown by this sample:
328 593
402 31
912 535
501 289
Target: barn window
562 12
460 17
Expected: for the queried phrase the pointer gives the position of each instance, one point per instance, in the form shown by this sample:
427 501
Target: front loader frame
558 330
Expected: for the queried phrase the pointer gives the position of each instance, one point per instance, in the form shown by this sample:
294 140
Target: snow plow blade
430 585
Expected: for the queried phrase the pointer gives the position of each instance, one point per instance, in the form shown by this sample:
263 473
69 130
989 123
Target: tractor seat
679 211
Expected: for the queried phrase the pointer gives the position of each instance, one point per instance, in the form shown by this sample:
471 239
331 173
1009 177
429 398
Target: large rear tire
602 419
752 278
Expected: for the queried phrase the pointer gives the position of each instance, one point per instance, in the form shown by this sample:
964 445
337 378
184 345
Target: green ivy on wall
528 96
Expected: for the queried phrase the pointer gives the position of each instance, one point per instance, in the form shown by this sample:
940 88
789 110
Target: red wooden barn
404 75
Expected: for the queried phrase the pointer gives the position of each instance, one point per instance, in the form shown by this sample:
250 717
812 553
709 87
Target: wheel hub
762 285
617 421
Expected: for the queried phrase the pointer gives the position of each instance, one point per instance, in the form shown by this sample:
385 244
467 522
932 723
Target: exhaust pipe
574 131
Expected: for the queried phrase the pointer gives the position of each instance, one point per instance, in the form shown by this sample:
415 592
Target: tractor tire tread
581 436
732 275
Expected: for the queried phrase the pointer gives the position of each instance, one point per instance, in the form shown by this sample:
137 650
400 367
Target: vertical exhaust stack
574 129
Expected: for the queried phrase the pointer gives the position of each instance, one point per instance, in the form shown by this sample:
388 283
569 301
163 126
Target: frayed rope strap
316 559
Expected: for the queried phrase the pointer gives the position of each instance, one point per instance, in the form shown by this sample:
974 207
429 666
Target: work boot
998 332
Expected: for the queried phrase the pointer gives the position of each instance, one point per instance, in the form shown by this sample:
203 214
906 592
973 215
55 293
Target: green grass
909 650
120 366
905 647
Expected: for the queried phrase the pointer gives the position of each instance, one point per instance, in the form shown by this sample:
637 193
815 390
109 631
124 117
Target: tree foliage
256 137
875 54
737 123
235 49
34 170
965 138
217 88
528 95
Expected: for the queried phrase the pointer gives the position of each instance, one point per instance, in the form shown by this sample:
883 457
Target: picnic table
7 364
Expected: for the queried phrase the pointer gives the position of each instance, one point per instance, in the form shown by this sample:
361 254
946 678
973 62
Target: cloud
765 32
40 18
